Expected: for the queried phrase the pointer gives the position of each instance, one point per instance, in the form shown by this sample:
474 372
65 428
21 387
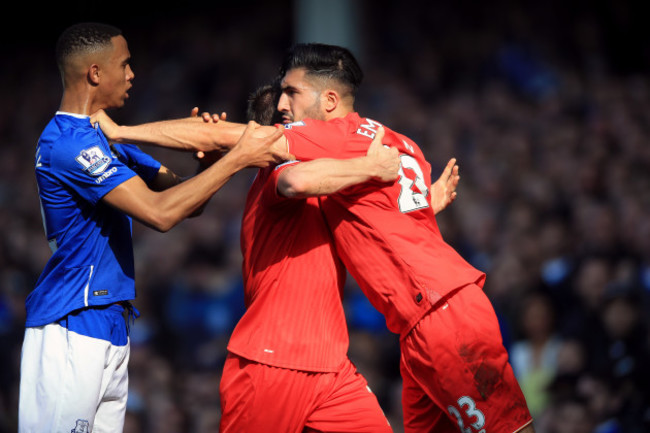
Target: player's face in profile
299 99
117 75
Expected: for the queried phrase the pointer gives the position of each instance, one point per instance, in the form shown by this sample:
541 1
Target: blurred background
546 105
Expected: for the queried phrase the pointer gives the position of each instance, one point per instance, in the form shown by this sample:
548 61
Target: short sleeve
84 162
270 195
143 164
310 139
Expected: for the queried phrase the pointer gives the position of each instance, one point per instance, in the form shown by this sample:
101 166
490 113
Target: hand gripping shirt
92 253
292 281
386 234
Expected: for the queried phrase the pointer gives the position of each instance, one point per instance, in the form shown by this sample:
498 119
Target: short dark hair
331 62
262 104
83 38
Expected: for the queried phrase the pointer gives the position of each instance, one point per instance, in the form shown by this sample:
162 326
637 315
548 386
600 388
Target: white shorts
74 383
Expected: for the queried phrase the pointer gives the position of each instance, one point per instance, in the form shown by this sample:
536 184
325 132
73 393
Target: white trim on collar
78 116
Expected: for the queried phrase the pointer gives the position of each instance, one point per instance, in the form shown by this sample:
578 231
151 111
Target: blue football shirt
92 260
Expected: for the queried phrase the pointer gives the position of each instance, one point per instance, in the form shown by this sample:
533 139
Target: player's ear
331 100
94 74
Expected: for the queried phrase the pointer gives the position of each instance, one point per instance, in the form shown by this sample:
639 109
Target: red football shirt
386 234
293 283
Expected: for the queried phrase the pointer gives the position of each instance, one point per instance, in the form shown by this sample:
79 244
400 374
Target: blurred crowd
551 129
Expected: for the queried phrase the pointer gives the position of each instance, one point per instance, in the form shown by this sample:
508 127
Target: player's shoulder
71 139
70 132
364 125
292 125
368 127
308 125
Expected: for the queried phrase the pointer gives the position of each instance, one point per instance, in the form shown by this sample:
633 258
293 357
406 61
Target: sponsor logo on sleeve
105 176
93 160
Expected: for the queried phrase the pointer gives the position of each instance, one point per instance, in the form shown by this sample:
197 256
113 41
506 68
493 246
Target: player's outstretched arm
191 133
443 190
326 175
163 210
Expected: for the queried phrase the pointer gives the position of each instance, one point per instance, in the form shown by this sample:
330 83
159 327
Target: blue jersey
92 260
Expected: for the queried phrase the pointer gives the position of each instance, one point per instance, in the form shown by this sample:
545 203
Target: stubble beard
314 111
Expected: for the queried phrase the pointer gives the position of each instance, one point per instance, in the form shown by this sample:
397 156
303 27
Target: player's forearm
324 176
192 134
163 210
185 199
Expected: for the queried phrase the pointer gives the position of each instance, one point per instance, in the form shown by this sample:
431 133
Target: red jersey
386 234
293 283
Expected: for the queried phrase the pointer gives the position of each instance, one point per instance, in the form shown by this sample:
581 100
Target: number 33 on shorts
476 417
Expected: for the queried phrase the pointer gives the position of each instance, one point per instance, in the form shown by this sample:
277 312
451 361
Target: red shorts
260 398
456 373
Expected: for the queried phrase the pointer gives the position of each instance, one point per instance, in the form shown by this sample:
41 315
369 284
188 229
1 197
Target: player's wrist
372 167
238 158
121 134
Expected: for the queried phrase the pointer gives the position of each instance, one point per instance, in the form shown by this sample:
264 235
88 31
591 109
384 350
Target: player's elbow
160 221
292 185
163 227
289 191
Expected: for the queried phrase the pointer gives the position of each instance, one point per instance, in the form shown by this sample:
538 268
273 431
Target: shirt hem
441 301
287 365
33 323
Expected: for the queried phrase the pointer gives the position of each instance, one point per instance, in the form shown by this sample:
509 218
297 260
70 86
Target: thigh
255 396
60 379
421 414
111 410
457 356
347 405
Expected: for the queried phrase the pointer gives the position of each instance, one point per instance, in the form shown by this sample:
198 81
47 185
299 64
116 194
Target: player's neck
79 102
339 112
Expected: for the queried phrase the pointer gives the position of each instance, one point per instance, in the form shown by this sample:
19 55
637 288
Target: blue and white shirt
92 260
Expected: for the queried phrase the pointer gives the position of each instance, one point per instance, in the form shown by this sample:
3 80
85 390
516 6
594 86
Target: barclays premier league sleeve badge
291 125
93 160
